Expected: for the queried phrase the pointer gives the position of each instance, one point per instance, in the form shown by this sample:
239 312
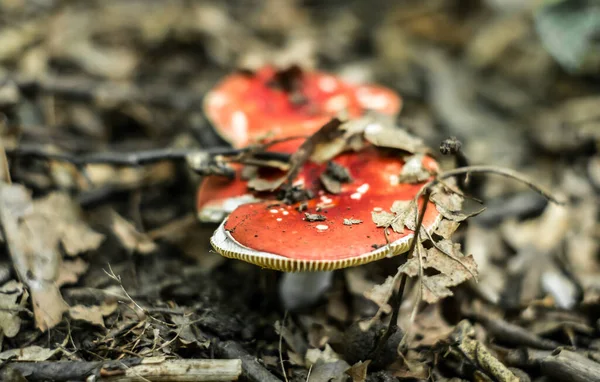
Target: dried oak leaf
403 214
387 219
454 268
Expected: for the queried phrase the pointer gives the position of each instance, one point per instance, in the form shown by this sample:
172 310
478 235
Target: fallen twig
130 369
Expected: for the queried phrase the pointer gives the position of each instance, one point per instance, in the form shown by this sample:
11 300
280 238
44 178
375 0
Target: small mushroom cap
247 107
279 236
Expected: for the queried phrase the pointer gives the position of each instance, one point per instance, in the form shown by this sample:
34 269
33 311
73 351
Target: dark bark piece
565 365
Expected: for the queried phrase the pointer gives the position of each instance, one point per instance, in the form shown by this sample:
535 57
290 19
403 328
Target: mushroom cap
219 196
245 107
274 235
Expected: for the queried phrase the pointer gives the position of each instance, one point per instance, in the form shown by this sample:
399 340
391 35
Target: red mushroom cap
278 236
245 107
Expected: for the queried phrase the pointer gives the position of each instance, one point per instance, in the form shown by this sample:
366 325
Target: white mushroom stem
298 290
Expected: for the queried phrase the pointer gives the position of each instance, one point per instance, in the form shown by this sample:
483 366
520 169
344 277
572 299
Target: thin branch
498 171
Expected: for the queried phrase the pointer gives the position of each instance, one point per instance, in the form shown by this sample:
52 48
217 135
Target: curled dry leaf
261 184
384 133
454 268
32 240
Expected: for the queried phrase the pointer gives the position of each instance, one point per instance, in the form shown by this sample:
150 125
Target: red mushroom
245 107
329 232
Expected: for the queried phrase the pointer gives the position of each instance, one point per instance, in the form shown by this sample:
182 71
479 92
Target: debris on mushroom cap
281 237
245 107
219 196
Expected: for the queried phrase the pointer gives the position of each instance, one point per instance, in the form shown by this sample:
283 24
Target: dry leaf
10 322
329 372
449 204
314 217
66 216
70 271
388 135
130 237
92 314
380 294
30 353
261 184
454 268
387 219
413 170
326 355
33 246
358 371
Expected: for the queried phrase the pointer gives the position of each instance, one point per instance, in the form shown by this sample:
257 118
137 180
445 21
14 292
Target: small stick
137 158
131 369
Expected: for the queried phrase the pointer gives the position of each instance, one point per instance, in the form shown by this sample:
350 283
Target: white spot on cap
279 219
239 124
364 188
325 199
336 104
372 100
377 209
328 84
322 227
299 182
356 196
394 180
285 213
217 100
273 211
